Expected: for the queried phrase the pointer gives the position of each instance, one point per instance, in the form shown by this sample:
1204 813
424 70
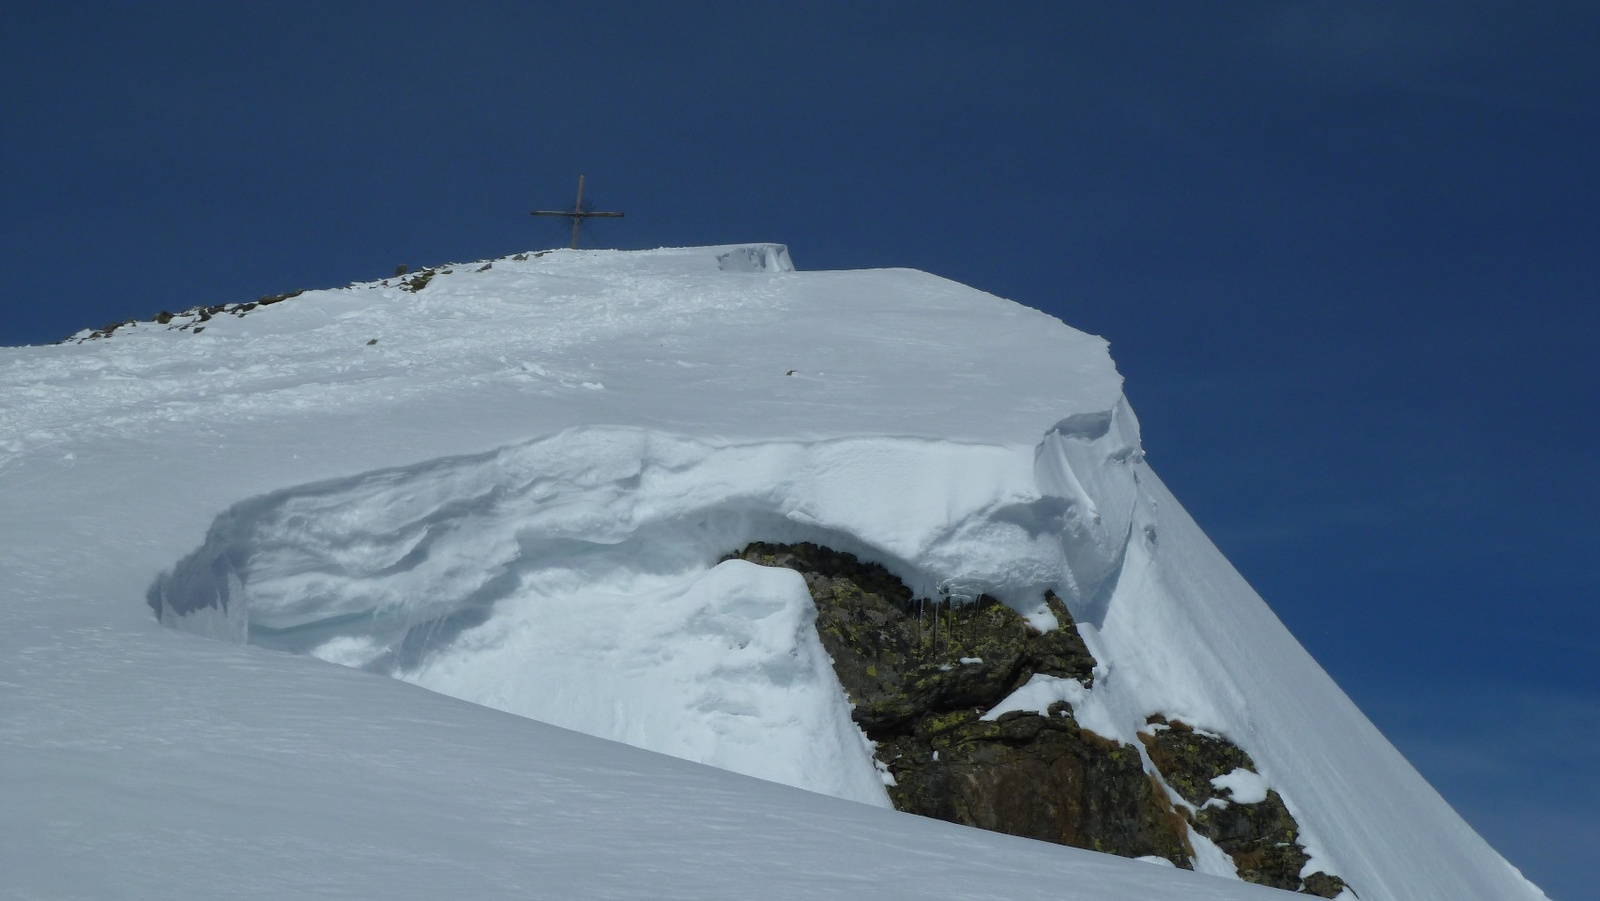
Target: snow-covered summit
513 482
722 341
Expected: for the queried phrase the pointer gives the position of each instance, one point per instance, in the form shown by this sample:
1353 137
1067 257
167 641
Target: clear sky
1347 255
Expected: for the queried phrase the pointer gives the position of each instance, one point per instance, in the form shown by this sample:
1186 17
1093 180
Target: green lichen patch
1189 760
1262 837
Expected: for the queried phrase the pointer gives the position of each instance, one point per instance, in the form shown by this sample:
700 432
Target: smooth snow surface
519 496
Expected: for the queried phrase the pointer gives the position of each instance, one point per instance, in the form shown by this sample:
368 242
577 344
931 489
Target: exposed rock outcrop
1258 833
920 675
188 320
901 658
1037 776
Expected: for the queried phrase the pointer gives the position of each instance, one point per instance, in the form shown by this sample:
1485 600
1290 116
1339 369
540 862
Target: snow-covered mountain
523 484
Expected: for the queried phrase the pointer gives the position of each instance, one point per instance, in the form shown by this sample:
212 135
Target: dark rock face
901 658
1189 760
1324 886
1040 777
921 674
1261 837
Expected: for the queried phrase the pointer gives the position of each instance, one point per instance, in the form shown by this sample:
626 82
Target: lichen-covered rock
1189 760
920 674
1261 836
1061 651
1324 886
1040 777
900 657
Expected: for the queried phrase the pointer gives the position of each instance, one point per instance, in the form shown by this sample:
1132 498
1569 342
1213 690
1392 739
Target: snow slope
514 486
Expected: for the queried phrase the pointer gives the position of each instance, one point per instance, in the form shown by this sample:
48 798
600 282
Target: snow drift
522 493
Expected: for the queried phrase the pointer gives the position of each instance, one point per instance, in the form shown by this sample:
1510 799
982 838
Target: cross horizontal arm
574 214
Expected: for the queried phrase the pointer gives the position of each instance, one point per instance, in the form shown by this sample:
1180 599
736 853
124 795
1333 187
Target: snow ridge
532 467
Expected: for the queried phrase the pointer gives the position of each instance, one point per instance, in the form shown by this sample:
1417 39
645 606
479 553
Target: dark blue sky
1347 255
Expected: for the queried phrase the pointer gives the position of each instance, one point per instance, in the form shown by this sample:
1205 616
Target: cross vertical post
577 214
576 219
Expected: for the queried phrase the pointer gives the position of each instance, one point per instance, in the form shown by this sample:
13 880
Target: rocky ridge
922 675
193 319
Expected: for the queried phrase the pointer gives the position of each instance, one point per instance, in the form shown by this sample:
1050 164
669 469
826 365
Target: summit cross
577 214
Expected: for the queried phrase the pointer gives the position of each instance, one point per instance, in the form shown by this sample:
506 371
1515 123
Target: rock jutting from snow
920 675
1256 830
187 320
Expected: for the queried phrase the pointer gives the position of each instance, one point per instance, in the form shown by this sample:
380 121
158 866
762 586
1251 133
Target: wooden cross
577 214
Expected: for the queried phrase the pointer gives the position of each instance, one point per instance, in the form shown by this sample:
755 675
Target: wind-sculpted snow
514 483
1086 461
576 580
756 258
